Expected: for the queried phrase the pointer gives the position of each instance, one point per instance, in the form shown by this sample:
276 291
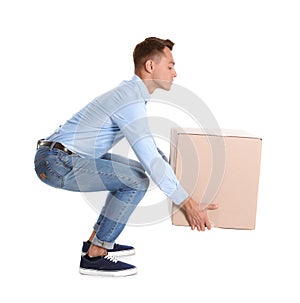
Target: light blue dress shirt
119 113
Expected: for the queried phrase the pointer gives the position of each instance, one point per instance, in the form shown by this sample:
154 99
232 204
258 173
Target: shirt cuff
179 195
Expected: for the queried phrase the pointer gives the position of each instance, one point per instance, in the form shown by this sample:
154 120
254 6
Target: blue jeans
124 179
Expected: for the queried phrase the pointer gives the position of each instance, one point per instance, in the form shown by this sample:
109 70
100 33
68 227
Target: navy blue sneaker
105 266
117 251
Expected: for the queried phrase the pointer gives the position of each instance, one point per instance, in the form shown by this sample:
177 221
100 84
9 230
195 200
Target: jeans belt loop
38 144
52 145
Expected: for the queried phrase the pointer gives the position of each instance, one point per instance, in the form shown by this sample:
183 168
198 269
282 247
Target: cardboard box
218 167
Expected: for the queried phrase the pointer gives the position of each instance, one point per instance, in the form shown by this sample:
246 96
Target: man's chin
166 85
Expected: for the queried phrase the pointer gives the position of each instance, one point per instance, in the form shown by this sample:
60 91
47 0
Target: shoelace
111 258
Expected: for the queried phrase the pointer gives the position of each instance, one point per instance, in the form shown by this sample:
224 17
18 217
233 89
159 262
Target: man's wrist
184 204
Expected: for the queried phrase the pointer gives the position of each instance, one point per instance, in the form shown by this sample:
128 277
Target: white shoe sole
106 273
122 253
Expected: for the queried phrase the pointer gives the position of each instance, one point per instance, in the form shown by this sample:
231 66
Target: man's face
164 71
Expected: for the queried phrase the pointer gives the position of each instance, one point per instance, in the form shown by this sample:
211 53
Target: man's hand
197 217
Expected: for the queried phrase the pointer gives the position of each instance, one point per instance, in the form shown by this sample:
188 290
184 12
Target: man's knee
143 182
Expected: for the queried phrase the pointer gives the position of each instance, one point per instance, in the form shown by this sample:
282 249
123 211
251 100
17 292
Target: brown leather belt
54 145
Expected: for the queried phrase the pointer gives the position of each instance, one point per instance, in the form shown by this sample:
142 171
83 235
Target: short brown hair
148 48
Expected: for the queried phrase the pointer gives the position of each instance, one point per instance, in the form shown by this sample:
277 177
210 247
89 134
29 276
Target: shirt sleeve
133 122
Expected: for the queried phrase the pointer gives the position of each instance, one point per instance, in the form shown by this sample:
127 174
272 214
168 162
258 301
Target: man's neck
149 83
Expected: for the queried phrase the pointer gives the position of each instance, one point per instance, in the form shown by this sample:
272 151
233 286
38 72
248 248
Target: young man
75 157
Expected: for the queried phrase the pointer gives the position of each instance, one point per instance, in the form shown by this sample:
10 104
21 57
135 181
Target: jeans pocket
51 172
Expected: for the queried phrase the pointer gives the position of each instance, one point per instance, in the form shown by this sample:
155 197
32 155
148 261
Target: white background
240 57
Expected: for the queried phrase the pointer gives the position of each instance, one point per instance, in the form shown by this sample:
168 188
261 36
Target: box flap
213 132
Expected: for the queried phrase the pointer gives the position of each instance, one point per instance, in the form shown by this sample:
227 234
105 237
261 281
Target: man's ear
149 66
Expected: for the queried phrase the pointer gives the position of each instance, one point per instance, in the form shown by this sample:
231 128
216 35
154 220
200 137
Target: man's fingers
208 225
200 227
199 220
191 222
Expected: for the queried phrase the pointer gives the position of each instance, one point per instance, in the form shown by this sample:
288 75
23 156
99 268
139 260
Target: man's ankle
92 236
96 251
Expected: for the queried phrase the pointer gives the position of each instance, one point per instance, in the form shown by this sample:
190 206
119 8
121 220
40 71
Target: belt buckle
39 142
